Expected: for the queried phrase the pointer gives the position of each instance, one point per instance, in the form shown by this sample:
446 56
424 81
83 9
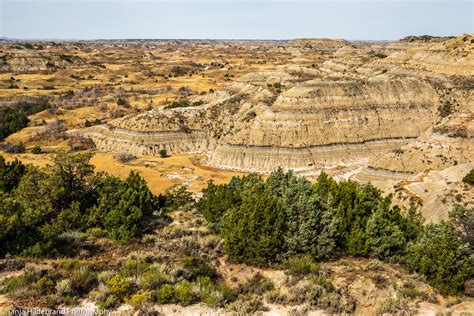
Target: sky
233 19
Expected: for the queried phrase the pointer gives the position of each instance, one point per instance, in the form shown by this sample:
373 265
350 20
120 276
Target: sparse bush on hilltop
121 101
180 103
469 178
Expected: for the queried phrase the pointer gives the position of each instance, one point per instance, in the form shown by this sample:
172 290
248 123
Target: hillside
176 177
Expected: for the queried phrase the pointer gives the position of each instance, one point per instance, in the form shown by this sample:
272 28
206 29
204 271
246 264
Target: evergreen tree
463 218
441 257
11 121
126 207
384 238
10 174
66 196
254 230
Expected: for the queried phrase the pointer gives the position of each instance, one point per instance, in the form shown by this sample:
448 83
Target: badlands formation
397 114
392 113
374 111
314 124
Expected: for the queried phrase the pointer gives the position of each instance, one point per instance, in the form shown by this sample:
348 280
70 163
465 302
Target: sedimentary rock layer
146 143
266 159
311 124
323 112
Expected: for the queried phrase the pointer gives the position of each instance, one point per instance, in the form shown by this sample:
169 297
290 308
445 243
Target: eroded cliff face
20 61
448 57
310 125
355 108
324 123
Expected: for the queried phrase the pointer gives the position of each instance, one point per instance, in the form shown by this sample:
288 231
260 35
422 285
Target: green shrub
181 103
127 207
83 280
96 232
110 302
394 306
69 264
380 55
263 222
217 200
446 108
10 174
152 279
105 276
301 265
183 293
469 178
374 265
198 103
124 157
247 305
122 101
463 219
134 268
441 257
96 121
11 120
45 286
46 211
197 267
119 286
179 198
216 295
409 293
253 232
163 153
139 300
64 287
36 150
165 294
258 285
13 284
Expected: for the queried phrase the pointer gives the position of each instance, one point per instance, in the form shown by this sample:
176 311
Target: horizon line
6 38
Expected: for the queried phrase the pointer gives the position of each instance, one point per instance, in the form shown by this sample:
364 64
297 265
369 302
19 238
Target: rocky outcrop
147 143
312 124
29 61
266 159
363 104
450 57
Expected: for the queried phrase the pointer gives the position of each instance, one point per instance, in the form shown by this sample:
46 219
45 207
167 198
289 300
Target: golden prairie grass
161 174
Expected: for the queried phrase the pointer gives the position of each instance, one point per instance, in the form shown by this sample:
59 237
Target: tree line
39 207
265 222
